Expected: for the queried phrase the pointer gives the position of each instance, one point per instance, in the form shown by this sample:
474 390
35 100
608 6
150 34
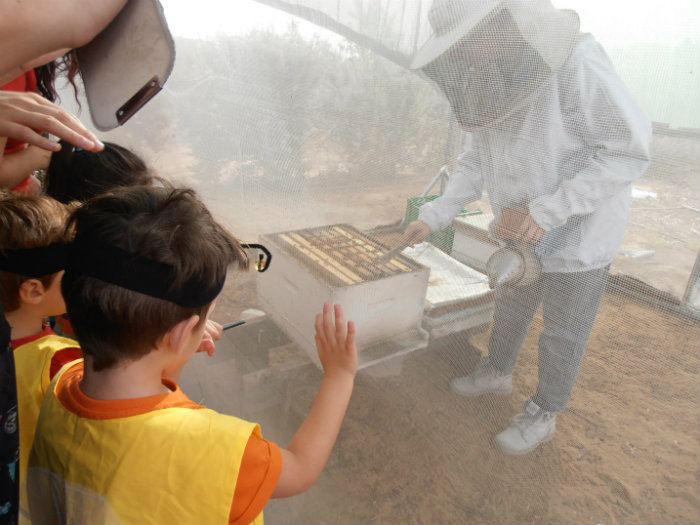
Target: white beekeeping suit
556 139
564 141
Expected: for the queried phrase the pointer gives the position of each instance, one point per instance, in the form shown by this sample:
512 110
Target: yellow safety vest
169 466
33 367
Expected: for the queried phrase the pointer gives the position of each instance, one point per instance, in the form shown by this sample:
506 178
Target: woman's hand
22 114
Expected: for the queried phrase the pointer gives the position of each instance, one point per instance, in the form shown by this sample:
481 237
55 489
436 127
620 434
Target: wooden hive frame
343 254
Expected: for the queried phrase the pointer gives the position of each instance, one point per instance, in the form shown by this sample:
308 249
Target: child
32 256
75 174
117 440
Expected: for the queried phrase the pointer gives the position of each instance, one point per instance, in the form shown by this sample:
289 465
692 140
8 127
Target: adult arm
46 28
306 455
464 186
616 133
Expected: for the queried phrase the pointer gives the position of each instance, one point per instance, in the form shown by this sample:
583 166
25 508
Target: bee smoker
514 265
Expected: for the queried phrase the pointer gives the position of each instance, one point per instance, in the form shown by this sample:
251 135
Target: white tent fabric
394 30
305 117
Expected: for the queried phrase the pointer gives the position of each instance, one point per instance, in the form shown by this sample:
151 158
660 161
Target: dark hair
46 75
28 221
78 175
168 225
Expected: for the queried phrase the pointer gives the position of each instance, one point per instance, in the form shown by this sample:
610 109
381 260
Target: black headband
137 273
35 262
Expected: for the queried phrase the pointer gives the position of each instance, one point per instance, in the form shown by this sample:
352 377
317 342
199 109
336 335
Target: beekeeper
556 140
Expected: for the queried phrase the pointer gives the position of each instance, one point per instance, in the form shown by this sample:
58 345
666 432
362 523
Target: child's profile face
52 302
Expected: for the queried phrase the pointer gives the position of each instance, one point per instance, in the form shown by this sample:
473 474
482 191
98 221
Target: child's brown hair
144 259
26 222
78 175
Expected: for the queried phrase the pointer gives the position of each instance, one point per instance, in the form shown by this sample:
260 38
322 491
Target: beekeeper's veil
489 57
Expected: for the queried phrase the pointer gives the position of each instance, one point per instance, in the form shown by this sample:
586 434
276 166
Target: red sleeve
63 357
261 467
66 326
22 186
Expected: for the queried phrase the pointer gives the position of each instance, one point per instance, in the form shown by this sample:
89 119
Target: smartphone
127 64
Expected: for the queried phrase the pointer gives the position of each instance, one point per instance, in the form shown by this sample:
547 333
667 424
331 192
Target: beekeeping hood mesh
487 57
299 114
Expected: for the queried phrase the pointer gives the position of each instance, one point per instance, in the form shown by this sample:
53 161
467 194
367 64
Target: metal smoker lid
505 266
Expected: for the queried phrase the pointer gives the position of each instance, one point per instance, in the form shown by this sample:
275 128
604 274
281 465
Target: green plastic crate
443 239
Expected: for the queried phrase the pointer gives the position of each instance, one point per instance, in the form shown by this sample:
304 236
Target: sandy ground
627 450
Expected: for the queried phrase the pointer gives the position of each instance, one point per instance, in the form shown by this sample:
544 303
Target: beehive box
458 299
472 244
338 264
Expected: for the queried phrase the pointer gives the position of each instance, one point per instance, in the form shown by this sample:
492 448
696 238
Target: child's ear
31 291
179 335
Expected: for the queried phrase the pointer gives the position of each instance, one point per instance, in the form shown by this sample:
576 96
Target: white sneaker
528 431
484 380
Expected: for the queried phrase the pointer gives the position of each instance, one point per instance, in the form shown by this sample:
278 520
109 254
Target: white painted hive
458 298
338 264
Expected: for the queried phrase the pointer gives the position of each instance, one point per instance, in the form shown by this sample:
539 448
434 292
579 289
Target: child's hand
308 451
212 332
335 341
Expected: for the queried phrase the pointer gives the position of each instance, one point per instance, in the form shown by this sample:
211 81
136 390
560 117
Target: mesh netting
322 129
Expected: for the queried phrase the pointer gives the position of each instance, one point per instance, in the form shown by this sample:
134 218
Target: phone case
127 63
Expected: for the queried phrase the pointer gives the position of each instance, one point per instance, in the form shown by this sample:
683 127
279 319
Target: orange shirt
261 465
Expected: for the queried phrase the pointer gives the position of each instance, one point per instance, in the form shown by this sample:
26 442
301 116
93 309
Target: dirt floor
625 452
627 449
